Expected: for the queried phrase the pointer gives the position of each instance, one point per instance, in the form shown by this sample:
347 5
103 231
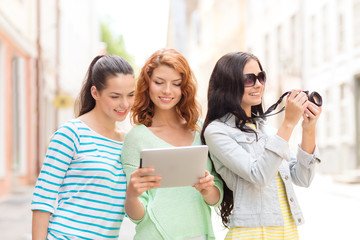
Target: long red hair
187 108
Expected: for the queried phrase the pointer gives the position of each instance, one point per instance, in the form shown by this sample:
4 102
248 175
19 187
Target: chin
121 118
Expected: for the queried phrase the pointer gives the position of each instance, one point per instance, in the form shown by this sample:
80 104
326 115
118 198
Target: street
331 212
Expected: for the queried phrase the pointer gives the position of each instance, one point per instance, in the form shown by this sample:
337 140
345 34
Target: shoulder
68 131
137 132
70 127
216 126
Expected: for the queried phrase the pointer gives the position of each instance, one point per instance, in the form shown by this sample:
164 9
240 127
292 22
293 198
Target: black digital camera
313 97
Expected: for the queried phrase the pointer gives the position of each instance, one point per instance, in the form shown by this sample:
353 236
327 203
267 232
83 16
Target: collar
229 119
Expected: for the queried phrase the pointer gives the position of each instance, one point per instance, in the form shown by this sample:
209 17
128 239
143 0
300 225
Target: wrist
131 197
204 193
309 131
288 125
212 195
285 130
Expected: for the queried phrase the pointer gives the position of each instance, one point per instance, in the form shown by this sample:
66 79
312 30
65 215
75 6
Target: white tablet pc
177 166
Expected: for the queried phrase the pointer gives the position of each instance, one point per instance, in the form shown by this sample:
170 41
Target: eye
158 83
249 80
177 84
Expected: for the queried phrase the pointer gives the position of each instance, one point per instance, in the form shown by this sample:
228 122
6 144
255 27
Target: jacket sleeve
130 158
62 148
302 167
231 159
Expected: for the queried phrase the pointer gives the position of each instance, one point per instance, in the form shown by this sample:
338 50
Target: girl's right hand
139 183
296 104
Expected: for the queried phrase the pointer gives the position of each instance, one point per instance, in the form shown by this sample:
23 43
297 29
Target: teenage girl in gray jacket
253 158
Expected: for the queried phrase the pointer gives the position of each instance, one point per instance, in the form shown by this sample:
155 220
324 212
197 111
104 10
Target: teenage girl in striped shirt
82 169
253 158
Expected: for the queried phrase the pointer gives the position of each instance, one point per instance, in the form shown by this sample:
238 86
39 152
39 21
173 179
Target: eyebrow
175 80
119 94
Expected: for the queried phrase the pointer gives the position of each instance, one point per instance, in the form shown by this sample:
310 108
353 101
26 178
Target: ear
94 93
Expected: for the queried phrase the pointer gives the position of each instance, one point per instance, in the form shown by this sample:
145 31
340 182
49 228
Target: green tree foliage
115 44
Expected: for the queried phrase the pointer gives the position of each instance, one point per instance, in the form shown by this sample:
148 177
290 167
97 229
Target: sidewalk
331 212
15 215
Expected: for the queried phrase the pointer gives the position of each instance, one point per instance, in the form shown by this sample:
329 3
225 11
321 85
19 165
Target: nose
124 103
167 88
257 83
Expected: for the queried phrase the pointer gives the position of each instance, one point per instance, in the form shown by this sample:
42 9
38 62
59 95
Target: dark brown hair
225 93
101 68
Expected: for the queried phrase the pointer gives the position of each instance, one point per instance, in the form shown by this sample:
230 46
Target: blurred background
46 47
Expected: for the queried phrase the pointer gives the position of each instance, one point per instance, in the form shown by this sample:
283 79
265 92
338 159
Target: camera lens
316 98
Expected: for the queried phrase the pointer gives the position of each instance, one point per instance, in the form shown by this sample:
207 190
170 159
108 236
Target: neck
166 117
101 121
248 112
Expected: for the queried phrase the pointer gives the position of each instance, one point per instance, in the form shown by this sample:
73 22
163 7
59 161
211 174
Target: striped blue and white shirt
82 184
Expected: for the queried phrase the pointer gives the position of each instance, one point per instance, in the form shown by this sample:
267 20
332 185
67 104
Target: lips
255 94
165 99
121 112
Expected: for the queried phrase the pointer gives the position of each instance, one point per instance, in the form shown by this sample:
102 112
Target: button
247 139
291 200
286 177
299 220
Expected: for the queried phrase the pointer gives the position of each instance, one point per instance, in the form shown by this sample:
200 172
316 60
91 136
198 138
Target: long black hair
225 93
101 68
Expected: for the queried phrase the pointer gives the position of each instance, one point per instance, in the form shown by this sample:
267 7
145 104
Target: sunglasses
250 79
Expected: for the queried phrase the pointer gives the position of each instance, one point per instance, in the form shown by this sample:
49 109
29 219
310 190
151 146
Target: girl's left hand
205 183
310 116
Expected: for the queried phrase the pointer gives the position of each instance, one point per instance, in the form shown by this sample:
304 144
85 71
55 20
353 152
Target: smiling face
252 95
165 88
116 99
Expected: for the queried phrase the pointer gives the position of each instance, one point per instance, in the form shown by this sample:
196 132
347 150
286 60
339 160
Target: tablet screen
178 166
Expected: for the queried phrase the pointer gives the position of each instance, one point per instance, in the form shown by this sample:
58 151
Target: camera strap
272 108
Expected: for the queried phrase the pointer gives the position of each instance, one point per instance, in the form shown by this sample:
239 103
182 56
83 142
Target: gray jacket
249 169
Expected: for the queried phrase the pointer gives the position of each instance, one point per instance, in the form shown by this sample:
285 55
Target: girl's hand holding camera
296 105
311 115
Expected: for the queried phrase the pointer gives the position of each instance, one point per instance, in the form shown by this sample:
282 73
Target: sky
143 23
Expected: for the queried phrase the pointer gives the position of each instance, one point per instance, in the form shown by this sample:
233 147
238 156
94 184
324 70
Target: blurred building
315 46
203 31
17 92
312 45
44 54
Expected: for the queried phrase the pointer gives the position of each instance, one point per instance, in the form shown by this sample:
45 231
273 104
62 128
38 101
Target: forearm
40 223
134 208
308 141
285 130
212 196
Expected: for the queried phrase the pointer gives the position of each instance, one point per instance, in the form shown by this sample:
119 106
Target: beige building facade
315 45
205 30
44 53
302 44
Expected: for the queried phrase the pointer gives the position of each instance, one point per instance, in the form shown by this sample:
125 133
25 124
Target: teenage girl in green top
167 114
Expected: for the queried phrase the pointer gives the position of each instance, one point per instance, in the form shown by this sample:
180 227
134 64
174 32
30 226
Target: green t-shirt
171 213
